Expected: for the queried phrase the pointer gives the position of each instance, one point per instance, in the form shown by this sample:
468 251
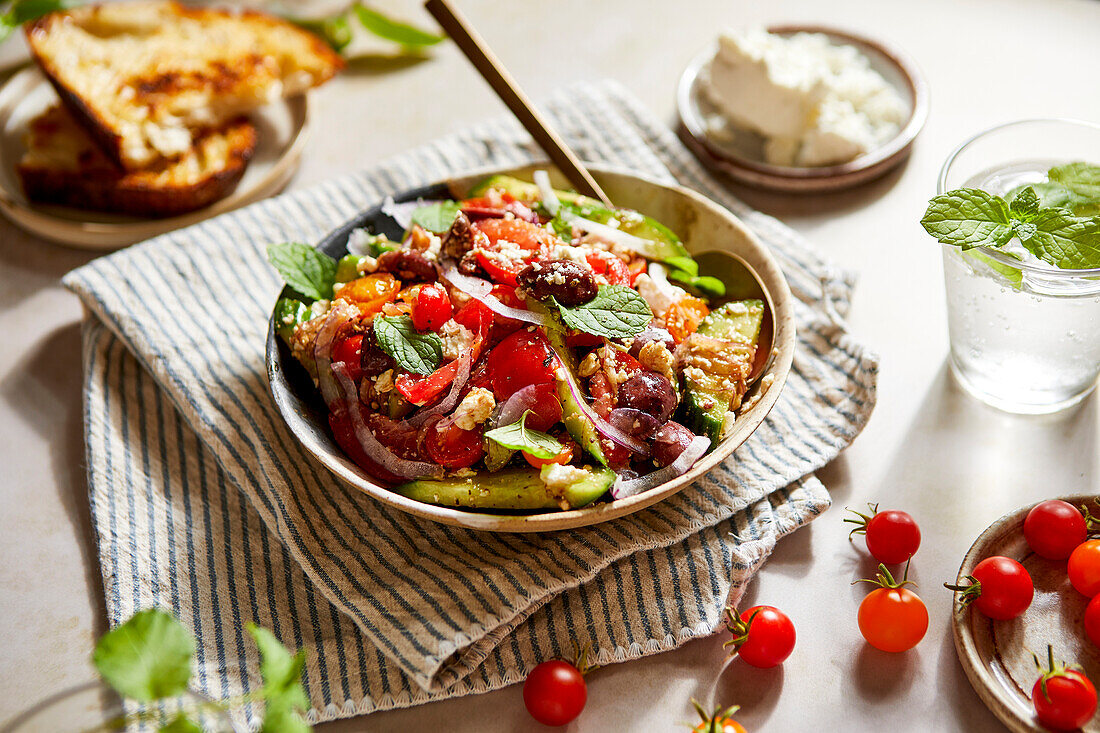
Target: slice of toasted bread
143 77
63 166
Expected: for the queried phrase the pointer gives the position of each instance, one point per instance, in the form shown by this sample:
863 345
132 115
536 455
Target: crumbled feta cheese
589 364
559 477
456 338
383 383
367 265
574 254
656 357
319 308
657 298
474 409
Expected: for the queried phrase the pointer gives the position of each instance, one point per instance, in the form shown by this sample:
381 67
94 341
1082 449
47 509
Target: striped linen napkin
203 503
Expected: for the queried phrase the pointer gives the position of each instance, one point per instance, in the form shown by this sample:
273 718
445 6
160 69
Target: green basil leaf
616 312
1025 204
1064 240
968 217
393 30
307 270
687 264
704 283
419 353
181 724
1081 178
147 658
518 436
285 698
436 217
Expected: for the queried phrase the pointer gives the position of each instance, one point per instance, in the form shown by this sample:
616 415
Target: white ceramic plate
282 128
739 153
996 655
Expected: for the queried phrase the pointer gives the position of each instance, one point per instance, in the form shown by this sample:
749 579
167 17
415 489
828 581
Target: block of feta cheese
815 103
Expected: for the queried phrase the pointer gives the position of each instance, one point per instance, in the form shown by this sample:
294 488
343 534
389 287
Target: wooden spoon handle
489 66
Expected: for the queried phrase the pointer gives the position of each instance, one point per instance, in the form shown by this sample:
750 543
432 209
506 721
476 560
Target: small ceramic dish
702 224
997 655
282 128
741 155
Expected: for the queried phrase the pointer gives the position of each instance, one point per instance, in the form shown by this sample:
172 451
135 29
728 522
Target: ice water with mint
1032 345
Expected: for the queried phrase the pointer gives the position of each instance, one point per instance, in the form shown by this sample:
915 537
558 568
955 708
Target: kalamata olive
408 266
635 423
570 283
652 334
372 360
670 441
460 238
649 392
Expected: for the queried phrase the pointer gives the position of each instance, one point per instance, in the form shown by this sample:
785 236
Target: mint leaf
1025 230
181 724
1065 241
393 30
1014 275
307 270
436 217
285 698
968 217
703 283
518 436
334 30
1081 178
1025 204
147 658
1055 195
419 353
616 312
687 264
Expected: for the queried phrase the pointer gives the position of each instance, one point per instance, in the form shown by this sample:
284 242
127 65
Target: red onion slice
694 451
480 289
322 354
377 452
449 402
633 422
514 407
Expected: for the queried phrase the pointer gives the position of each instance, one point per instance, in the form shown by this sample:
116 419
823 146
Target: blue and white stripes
203 503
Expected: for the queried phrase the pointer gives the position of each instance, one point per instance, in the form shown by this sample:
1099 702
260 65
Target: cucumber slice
513 488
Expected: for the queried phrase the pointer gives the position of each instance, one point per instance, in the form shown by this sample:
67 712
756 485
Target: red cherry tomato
545 407
602 395
764 637
522 358
347 353
555 692
1084 568
1054 528
451 446
892 536
530 238
431 308
506 294
1000 588
608 267
1064 699
1092 620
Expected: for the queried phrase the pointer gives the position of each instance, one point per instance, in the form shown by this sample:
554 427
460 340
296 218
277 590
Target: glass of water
1025 335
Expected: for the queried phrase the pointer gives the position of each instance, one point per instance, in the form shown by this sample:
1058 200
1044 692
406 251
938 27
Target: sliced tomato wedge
608 267
422 389
498 260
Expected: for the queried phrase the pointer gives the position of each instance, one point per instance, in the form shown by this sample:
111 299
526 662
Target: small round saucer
282 128
741 158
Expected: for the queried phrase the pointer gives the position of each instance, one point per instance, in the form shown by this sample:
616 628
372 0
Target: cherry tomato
506 294
684 316
1064 699
763 636
522 358
555 692
1084 568
371 292
999 587
529 237
452 447
431 308
602 395
892 617
1054 528
562 458
892 536
545 407
608 267
495 204
717 722
1092 620
347 353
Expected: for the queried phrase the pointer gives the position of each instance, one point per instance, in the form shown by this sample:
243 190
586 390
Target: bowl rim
783 348
879 159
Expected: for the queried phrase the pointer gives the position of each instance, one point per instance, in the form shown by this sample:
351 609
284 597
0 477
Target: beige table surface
953 463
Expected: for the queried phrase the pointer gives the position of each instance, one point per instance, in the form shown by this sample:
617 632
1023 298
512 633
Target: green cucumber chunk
347 269
512 488
576 420
705 403
289 312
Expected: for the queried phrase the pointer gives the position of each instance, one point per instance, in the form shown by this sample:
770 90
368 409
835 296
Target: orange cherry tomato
562 458
684 316
1084 568
725 725
893 619
371 292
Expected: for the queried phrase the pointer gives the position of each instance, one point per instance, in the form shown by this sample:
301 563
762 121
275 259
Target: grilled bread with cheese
63 166
146 78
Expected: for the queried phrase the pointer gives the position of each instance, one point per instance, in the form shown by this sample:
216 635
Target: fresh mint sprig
518 436
969 217
336 29
616 312
310 272
419 353
148 659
